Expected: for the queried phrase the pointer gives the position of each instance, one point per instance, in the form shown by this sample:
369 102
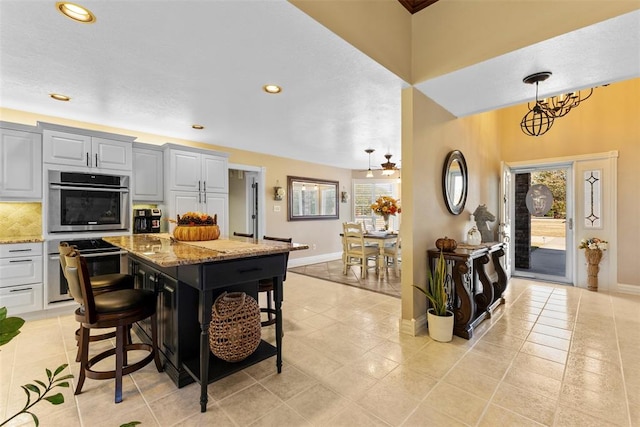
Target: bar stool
101 283
266 285
114 309
235 233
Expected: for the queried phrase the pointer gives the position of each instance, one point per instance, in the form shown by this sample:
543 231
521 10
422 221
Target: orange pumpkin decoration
446 244
196 232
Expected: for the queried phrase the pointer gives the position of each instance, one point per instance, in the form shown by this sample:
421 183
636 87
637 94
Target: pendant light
388 168
538 119
369 171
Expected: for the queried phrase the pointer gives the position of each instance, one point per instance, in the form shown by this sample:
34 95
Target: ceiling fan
388 167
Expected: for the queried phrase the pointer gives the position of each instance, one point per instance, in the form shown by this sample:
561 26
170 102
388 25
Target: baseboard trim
628 289
298 262
414 327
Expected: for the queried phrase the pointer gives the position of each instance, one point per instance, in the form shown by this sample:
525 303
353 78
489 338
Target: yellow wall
277 168
378 28
429 133
609 120
478 30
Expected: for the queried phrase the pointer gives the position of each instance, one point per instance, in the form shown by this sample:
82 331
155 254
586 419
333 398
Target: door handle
87 159
570 223
96 159
205 186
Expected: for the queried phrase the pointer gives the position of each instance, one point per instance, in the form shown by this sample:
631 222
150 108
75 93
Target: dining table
380 239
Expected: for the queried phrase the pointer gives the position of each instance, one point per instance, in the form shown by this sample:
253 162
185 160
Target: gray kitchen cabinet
148 177
20 162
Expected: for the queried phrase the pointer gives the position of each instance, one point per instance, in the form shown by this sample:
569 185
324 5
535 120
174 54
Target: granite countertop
21 239
161 249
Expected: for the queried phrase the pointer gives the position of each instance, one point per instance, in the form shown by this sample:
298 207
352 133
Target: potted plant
439 318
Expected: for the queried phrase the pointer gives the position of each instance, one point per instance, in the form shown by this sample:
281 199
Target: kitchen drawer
245 270
21 299
20 270
20 249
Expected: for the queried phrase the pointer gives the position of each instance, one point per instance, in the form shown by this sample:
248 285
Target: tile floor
553 355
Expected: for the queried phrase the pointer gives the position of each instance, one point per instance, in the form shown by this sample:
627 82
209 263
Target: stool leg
126 339
120 352
78 343
83 349
154 342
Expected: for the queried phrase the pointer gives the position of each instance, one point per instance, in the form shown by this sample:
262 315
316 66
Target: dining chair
235 233
114 309
355 250
100 283
392 255
266 285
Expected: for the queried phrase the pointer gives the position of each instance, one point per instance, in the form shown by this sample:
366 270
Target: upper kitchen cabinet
20 162
148 175
198 170
85 148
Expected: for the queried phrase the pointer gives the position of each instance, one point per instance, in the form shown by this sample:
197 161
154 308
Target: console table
472 296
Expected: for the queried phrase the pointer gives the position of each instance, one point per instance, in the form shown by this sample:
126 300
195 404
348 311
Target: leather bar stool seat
114 309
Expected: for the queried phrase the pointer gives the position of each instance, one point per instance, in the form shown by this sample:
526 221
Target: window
365 193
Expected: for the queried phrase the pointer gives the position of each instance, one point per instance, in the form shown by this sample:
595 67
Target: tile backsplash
20 219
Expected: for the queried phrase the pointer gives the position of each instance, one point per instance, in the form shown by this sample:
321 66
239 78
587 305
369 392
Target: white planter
440 327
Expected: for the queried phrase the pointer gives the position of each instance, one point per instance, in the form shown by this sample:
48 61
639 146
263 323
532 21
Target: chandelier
540 117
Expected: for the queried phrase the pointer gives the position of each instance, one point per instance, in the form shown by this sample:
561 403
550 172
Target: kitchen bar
188 276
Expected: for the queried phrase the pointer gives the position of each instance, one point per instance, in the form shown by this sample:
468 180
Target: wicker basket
234 331
196 232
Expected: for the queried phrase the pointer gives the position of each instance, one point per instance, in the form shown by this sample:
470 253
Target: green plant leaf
63 384
10 324
49 375
60 369
33 388
56 399
3 313
28 395
8 336
35 419
44 386
131 424
66 377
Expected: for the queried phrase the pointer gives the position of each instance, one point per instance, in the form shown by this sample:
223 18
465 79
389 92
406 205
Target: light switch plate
276 208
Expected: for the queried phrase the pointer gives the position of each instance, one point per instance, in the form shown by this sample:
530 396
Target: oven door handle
110 190
94 255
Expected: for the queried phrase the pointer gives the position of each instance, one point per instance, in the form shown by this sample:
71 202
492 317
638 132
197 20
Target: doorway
246 200
541 210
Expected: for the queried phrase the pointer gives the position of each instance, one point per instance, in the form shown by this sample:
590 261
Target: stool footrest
103 375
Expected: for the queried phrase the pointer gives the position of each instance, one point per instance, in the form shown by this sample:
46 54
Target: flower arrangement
593 243
386 205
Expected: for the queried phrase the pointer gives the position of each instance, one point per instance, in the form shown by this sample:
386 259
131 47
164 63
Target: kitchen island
187 277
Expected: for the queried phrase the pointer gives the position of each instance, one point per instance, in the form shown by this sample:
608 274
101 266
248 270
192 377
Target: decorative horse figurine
482 215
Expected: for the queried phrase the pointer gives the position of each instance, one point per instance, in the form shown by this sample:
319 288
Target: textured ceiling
160 66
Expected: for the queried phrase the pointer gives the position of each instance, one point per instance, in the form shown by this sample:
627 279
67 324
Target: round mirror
454 182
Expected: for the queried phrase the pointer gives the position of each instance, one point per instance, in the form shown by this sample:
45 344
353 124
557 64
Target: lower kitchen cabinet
166 288
21 289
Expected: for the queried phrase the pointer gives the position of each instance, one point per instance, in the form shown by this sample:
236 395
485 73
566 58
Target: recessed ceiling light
272 88
76 12
197 127
59 97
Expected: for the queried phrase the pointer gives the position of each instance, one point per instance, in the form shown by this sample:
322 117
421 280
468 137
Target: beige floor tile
426 415
497 416
434 366
559 343
214 416
569 417
394 351
354 415
499 337
526 403
492 367
349 383
281 416
318 404
552 331
558 315
597 366
249 404
532 381
612 382
596 350
404 381
550 353
599 404
634 414
556 323
472 380
456 402
373 365
544 367
386 404
288 383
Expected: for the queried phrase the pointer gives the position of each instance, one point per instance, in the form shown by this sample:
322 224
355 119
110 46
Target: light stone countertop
161 249
21 239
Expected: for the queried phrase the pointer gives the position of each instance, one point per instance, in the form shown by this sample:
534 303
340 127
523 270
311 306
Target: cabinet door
21 299
217 203
20 270
110 154
184 171
214 174
20 165
66 148
147 175
168 317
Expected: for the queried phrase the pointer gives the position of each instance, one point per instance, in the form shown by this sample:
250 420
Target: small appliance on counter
146 221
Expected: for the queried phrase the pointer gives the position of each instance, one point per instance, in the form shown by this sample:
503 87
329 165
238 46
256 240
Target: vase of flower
386 206
593 250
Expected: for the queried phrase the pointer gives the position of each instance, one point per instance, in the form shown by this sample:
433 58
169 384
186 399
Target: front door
540 222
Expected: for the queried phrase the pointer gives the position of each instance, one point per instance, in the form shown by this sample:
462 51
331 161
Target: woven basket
234 331
192 233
